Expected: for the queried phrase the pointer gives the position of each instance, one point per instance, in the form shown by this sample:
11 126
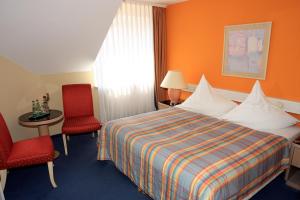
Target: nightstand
165 104
292 176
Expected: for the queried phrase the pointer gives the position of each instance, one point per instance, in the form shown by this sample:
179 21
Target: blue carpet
81 176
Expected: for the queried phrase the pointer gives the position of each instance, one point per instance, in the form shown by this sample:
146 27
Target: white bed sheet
290 133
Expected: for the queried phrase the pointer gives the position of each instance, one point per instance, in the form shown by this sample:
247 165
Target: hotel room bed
178 154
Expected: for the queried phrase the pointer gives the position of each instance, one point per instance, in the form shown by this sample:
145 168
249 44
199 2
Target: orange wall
195 32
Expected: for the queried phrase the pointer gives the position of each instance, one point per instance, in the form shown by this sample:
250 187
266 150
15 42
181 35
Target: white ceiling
53 36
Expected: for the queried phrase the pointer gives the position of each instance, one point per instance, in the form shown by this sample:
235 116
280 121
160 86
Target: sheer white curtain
124 67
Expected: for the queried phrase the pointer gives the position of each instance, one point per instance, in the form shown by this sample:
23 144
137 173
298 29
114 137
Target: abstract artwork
246 49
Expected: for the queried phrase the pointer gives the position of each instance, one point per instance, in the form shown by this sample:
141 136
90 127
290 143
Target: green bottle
33 108
38 107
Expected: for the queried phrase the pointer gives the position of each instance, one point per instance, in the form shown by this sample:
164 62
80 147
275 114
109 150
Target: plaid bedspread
177 154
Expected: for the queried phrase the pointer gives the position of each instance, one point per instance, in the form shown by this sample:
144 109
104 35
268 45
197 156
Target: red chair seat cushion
76 125
30 152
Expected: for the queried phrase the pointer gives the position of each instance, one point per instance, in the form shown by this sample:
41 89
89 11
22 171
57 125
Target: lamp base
174 95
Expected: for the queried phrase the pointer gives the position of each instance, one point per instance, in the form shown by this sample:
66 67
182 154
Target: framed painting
246 49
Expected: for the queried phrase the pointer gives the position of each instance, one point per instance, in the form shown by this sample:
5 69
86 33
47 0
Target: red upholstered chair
24 153
78 111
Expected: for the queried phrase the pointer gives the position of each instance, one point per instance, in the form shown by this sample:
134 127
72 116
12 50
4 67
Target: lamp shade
173 80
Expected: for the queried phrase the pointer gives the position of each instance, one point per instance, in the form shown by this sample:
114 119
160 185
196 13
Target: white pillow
258 113
206 101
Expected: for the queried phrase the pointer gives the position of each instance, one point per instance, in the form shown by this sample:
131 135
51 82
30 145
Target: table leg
44 130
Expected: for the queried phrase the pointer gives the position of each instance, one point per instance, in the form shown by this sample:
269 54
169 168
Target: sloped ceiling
53 36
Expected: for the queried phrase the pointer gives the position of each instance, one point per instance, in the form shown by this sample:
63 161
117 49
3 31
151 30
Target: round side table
42 123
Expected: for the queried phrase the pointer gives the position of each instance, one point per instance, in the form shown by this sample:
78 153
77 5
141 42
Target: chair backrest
6 142
77 100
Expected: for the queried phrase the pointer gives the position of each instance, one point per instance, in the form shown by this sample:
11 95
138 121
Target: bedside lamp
175 83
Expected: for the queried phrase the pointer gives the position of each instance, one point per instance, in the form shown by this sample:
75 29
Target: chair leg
98 145
98 154
3 174
65 144
97 136
50 170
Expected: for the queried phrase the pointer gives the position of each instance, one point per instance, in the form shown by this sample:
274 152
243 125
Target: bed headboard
288 106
